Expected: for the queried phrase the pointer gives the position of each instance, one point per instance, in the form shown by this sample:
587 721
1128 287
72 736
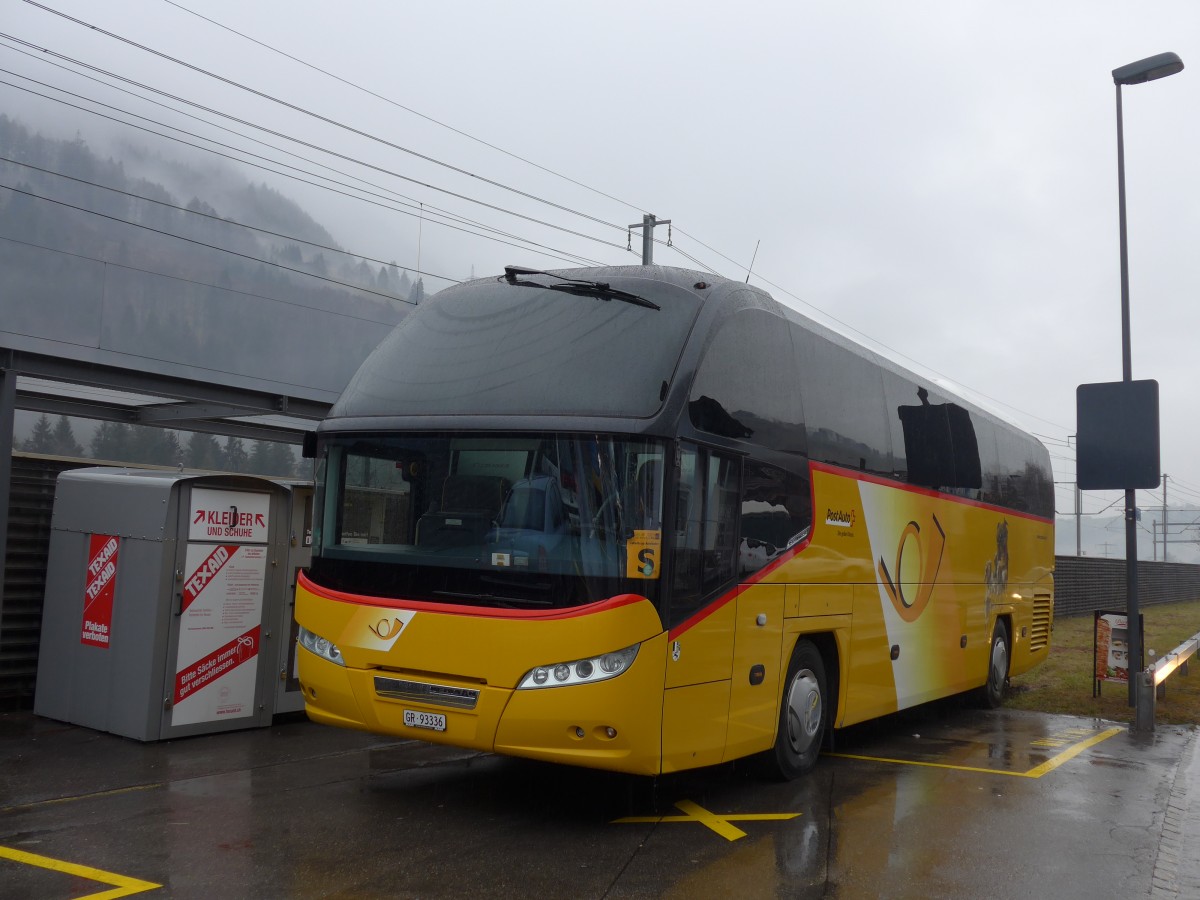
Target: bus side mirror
309 450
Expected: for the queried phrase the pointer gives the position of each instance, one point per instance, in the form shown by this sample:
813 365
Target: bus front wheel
992 693
802 715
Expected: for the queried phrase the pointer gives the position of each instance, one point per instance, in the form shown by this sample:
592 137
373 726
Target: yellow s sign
928 549
642 554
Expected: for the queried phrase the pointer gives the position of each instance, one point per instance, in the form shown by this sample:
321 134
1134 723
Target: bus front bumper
614 725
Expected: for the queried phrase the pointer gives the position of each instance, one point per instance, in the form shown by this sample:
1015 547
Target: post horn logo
385 630
929 562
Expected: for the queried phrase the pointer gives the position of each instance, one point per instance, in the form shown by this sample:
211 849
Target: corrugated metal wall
30 507
1085 583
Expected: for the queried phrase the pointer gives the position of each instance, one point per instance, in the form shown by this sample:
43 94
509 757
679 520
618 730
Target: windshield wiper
599 289
517 602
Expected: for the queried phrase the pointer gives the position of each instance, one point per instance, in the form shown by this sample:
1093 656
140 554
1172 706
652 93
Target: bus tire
803 715
992 692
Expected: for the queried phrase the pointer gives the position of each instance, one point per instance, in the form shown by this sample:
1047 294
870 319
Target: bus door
702 611
776 517
754 688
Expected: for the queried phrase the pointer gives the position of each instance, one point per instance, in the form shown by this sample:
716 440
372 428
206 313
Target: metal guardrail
1150 681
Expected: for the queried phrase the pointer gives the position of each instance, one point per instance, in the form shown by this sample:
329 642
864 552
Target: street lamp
1143 70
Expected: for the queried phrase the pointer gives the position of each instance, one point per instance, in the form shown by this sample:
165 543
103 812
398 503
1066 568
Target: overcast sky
937 179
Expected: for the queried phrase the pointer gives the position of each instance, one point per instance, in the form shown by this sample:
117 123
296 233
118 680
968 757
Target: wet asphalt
944 801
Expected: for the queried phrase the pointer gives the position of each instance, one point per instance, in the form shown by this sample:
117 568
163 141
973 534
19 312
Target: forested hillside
44 216
134 253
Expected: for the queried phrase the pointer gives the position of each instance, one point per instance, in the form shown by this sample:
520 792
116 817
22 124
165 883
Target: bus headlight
579 671
323 647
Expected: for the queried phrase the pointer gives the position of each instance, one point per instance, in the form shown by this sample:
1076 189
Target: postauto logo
841 517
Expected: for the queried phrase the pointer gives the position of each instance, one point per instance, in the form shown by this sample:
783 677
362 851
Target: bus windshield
501 520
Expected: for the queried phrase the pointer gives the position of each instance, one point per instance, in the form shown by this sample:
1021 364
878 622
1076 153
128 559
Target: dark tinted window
942 445
843 405
1022 479
706 522
935 441
495 348
509 520
746 386
776 515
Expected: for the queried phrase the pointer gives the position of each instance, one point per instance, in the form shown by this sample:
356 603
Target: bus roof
663 351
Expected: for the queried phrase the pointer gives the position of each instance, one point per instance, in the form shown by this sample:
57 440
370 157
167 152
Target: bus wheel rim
999 663
804 711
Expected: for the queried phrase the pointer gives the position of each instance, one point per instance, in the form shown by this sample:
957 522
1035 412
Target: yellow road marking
1070 753
1036 772
928 765
122 885
693 812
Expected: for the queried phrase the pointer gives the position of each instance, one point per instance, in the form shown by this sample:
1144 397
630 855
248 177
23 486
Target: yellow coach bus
646 519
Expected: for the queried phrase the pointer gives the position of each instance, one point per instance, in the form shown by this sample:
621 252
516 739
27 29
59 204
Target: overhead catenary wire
157 359
1048 439
357 131
704 266
179 237
526 243
193 281
310 145
817 309
905 356
307 112
227 221
1185 482
394 194
195 212
398 105
1178 488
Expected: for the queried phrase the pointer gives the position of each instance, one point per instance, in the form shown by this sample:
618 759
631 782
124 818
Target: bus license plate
431 721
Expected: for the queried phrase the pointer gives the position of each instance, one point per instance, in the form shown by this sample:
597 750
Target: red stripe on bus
720 601
855 475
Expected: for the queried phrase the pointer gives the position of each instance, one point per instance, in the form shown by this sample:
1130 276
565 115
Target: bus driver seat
470 505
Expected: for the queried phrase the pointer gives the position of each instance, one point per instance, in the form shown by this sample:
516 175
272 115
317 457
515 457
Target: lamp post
1143 70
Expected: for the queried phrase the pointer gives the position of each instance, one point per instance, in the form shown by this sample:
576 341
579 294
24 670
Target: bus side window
776 515
707 511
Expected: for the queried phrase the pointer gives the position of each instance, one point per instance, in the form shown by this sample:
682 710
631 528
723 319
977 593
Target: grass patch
1063 683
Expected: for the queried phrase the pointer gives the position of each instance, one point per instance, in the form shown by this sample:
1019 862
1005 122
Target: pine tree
285 460
154 446
112 442
363 275
233 455
259 462
273 459
203 452
42 439
64 439
173 450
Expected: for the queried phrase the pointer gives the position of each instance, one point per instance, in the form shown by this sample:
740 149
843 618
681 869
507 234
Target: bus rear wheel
802 715
992 693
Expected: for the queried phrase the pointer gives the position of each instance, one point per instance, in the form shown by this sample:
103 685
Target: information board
221 606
